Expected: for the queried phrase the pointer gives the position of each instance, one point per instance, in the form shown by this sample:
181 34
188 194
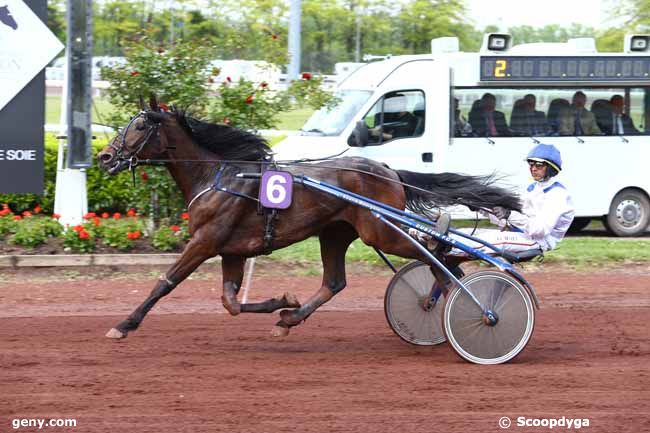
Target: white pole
295 13
247 281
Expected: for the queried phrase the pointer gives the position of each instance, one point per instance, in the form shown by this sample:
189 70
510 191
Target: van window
527 112
396 115
331 120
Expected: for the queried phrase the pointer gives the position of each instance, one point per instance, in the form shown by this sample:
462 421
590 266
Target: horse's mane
227 142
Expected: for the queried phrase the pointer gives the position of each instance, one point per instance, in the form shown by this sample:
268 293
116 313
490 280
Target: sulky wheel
409 313
482 339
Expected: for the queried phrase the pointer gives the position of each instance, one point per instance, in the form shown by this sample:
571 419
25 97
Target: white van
401 111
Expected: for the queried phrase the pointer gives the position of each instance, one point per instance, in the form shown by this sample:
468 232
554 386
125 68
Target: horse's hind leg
334 242
233 274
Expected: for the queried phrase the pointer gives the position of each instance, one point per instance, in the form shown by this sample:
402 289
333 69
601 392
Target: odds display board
565 68
26 47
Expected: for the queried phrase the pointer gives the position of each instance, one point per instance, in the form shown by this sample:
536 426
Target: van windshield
332 120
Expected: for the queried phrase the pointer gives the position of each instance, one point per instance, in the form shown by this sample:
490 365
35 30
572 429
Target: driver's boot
442 227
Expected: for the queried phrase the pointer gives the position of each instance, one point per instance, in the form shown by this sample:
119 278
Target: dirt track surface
193 368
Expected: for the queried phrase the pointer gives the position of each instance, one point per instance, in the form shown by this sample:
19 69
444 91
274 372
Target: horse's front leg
233 273
194 254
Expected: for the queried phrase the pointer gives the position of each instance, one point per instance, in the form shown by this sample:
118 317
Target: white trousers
512 242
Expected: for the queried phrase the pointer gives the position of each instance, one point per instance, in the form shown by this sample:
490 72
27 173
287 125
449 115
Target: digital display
548 68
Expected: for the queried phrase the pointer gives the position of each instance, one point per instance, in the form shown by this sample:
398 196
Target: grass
53 109
290 120
577 252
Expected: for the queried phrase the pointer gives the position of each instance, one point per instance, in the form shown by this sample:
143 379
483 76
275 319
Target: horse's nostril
105 157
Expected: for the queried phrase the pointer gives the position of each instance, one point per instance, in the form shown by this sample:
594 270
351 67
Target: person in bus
556 111
526 120
486 121
397 120
617 122
578 120
545 218
462 128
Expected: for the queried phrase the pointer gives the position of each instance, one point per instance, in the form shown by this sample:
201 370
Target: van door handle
427 157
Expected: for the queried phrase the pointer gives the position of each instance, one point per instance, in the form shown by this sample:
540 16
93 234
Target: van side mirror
359 135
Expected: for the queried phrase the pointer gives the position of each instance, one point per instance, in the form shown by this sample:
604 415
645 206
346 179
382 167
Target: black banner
21 131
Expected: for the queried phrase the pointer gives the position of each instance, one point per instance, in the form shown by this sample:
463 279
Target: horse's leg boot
229 301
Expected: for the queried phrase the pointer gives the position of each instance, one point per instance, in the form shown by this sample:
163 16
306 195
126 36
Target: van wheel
629 213
578 224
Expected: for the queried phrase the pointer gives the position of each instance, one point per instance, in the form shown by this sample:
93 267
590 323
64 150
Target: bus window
553 112
396 115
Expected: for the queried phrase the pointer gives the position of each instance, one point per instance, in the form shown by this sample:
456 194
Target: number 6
275 190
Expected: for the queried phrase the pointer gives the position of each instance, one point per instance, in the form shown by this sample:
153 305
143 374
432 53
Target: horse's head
140 139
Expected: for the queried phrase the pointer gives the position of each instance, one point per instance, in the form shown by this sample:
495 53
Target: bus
432 100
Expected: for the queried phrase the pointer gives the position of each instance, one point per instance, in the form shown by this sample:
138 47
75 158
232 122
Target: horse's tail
447 189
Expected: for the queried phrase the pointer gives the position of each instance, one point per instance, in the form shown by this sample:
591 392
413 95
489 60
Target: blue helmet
546 153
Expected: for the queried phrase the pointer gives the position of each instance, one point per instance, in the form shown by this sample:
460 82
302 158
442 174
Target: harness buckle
133 162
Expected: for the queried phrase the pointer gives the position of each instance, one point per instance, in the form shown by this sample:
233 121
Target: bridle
123 156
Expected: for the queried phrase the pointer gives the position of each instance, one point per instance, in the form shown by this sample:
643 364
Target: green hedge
155 191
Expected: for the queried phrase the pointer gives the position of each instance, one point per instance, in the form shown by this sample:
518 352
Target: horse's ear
154 116
153 102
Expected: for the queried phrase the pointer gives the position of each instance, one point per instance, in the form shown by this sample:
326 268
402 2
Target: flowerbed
31 232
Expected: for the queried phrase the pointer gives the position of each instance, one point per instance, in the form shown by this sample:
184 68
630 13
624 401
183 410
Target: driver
547 209
398 121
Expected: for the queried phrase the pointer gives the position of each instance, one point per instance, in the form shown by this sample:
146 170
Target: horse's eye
140 127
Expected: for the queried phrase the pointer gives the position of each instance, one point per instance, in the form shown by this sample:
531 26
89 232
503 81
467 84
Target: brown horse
227 221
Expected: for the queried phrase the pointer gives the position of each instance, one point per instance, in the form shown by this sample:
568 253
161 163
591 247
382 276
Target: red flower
83 234
78 228
134 235
5 206
175 228
105 215
163 107
38 209
97 221
56 216
249 99
135 73
185 216
306 76
130 212
90 215
144 176
228 79
17 218
4 212
117 216
27 214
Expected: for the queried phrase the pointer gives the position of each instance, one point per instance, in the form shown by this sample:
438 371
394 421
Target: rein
134 161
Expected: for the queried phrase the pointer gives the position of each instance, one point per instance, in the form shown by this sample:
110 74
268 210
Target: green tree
177 74
56 18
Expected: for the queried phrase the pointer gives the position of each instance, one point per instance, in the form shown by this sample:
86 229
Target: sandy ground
193 368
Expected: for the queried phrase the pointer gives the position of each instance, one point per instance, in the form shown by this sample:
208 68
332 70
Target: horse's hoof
115 334
279 331
292 300
233 309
